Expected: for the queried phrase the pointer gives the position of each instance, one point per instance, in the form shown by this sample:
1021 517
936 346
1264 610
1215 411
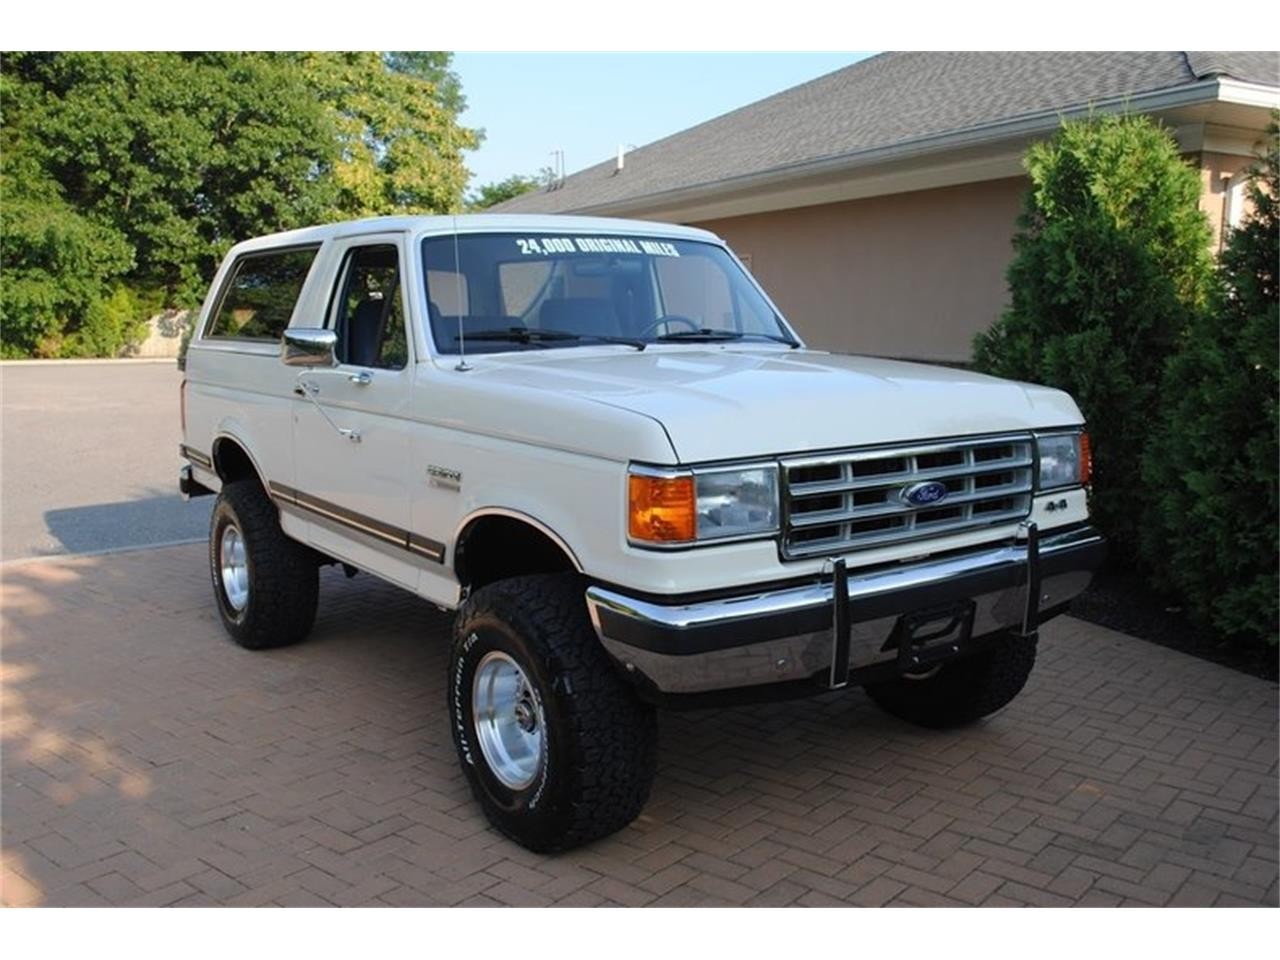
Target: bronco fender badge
924 494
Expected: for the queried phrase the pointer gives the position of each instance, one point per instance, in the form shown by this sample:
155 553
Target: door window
370 310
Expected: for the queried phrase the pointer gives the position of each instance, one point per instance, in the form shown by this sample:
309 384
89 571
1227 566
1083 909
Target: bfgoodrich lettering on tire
265 584
556 746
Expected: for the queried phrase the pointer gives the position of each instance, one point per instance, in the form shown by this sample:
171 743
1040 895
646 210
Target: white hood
729 403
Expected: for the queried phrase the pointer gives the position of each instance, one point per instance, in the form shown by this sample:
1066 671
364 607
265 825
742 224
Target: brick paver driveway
147 760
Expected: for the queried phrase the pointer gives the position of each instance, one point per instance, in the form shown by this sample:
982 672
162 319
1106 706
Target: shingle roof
1255 67
883 100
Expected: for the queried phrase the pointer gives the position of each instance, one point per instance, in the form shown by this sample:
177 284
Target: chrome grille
855 498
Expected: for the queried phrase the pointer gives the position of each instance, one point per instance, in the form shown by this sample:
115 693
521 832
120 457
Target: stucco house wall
906 275
1223 191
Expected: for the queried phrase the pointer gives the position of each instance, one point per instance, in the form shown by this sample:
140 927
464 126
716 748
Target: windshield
535 291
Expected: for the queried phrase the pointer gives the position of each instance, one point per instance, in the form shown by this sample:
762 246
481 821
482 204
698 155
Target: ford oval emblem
924 494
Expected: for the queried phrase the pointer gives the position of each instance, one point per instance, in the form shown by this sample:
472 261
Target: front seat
364 333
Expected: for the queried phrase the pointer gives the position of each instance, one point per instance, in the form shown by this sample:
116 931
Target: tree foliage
491 194
55 262
435 67
126 176
398 145
1214 457
1111 261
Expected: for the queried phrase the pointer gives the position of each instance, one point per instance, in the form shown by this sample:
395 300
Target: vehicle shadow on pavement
156 519
147 759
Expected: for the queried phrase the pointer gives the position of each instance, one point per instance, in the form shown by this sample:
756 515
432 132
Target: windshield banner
550 246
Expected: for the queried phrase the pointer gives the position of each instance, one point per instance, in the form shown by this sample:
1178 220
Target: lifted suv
600 443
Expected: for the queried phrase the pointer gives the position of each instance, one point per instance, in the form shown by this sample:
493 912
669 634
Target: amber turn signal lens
661 509
1086 459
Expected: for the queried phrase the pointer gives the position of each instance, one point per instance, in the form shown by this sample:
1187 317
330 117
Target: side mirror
309 347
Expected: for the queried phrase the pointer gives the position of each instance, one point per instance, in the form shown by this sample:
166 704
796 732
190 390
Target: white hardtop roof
476 223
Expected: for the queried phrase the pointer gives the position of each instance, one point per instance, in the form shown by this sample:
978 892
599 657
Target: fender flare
239 441
481 512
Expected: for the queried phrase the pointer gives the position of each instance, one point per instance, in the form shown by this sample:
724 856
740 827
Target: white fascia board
1248 94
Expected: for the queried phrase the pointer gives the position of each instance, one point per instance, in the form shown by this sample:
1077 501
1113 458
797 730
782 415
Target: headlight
733 503
674 507
1065 460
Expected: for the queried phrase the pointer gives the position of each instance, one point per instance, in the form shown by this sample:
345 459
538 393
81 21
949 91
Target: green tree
398 146
491 194
125 177
181 154
55 263
1111 261
435 67
1214 457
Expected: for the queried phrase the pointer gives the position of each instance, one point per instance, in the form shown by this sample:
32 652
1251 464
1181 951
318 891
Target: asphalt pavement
89 459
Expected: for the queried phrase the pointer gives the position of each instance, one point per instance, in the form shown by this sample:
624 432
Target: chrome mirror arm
309 390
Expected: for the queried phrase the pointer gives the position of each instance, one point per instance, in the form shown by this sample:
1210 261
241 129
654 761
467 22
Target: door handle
363 378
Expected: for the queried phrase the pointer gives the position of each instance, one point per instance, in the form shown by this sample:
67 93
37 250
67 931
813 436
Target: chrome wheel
509 721
234 568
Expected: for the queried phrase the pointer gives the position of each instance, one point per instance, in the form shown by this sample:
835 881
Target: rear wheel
962 691
558 749
266 585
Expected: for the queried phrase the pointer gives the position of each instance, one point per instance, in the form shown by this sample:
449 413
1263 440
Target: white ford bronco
599 442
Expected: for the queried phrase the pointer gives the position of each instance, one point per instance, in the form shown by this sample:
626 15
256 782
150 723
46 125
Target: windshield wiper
542 337
707 335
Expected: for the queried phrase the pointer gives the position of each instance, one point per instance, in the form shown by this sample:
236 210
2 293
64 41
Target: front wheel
962 691
558 749
265 585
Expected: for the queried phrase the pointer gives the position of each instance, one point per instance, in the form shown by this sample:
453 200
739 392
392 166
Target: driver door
351 441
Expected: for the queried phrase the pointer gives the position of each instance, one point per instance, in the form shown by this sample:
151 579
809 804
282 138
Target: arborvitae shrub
1212 464
1111 260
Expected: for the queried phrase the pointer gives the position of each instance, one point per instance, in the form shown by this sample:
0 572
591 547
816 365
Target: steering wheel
693 325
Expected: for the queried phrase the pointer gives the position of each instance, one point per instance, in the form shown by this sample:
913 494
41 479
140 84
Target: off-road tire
283 577
600 739
962 691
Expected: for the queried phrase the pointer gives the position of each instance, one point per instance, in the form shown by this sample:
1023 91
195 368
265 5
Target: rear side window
259 298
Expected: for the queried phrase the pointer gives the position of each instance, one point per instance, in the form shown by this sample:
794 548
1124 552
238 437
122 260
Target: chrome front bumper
900 618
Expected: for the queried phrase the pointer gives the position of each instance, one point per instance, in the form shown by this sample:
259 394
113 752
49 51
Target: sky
586 104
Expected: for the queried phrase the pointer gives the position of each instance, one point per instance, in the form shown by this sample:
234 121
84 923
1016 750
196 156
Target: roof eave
1027 125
